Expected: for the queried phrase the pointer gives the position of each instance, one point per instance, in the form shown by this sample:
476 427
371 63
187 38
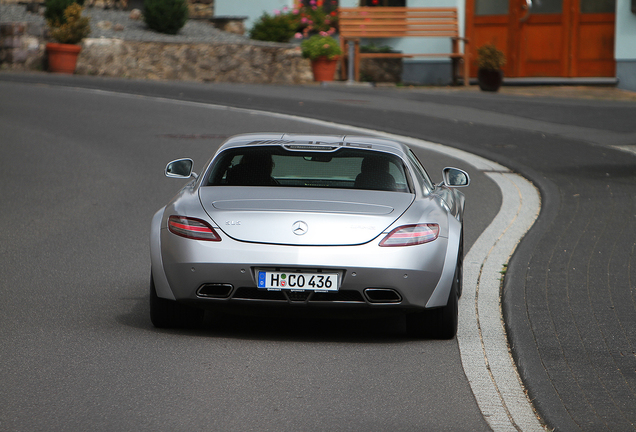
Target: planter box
381 70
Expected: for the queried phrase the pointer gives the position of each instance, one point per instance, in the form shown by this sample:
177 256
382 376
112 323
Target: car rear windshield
345 168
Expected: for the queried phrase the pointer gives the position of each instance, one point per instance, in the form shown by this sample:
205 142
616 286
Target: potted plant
62 56
490 61
323 51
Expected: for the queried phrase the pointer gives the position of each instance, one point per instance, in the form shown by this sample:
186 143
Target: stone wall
244 63
196 8
22 47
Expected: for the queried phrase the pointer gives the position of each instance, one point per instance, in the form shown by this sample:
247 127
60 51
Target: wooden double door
545 38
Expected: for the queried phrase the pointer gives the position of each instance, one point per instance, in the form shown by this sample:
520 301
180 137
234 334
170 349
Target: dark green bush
274 28
54 13
165 16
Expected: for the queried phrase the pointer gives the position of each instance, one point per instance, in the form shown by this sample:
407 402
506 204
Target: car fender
162 286
442 290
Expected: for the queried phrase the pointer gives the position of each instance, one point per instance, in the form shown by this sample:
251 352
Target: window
420 172
491 7
345 168
598 6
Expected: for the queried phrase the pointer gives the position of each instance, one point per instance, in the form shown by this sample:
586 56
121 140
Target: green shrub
54 13
320 45
273 28
299 22
75 28
165 16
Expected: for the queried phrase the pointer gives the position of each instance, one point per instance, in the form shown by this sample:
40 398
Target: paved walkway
598 93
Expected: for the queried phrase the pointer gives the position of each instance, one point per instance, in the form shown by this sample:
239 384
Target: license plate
297 281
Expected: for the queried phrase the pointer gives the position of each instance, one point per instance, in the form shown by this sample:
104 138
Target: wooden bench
400 22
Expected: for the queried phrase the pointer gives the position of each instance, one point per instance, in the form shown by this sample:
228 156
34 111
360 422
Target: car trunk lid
302 216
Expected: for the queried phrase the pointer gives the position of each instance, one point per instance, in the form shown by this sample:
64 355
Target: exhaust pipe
215 290
382 295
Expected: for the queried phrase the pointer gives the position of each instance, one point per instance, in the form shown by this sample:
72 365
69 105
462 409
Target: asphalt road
569 290
82 175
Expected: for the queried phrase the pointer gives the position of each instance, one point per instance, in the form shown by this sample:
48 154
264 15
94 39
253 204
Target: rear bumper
406 277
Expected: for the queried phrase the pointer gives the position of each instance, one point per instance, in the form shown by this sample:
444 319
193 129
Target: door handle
528 8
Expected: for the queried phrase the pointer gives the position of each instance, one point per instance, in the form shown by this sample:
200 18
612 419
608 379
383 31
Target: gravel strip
193 31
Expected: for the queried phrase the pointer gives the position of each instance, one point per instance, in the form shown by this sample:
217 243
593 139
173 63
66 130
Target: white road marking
626 148
481 335
482 341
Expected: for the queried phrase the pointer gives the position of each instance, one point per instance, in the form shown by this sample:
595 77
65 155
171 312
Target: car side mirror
180 168
455 177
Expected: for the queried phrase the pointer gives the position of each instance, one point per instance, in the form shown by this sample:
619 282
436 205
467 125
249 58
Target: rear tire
166 313
439 323
459 275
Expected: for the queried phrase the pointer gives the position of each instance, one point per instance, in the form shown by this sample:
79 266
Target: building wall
252 9
433 71
625 45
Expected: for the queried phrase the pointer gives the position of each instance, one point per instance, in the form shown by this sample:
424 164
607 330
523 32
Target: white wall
416 70
625 45
252 9
625 48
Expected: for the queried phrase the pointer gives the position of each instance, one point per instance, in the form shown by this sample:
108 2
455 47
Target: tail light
409 235
195 229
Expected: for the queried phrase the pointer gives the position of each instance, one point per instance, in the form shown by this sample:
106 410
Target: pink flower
304 20
323 33
295 11
276 12
298 35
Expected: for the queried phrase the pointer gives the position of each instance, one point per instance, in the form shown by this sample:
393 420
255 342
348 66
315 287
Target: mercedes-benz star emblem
300 228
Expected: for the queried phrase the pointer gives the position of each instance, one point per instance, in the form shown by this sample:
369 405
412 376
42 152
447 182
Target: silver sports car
303 222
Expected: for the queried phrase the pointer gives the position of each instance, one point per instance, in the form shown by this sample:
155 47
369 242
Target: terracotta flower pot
490 80
62 57
324 68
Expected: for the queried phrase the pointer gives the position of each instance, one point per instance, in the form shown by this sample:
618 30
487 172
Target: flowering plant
313 19
301 22
320 45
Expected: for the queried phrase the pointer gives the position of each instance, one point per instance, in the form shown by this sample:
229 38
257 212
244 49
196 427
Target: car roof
317 142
